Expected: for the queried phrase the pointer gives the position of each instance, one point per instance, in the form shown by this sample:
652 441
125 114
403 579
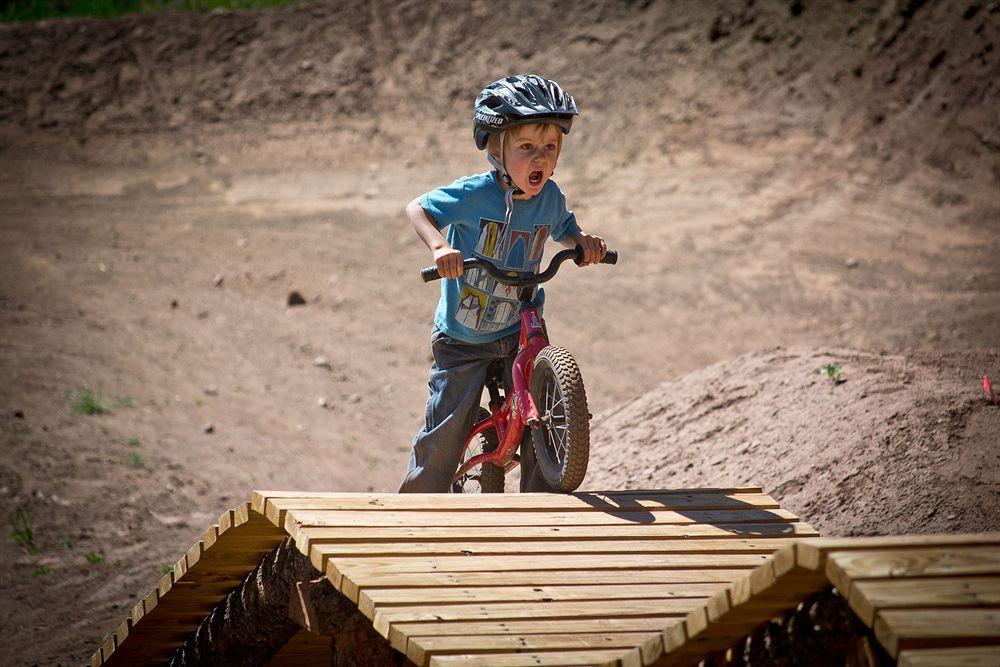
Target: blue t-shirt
476 308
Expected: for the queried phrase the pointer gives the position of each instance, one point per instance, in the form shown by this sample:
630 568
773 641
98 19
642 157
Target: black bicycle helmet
518 100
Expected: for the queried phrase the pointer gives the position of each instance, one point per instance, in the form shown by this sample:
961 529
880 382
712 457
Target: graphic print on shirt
517 258
486 305
538 243
471 304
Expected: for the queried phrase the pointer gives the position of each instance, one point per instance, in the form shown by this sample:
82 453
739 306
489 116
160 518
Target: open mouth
535 177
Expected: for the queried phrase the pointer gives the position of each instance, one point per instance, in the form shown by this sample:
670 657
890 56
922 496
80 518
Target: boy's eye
527 147
550 147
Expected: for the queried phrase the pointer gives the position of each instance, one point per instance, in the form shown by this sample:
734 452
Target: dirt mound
900 444
903 77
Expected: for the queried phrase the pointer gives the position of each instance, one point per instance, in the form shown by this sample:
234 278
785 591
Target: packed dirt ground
788 186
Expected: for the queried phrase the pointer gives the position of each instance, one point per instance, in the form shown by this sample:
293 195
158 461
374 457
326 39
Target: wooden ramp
612 578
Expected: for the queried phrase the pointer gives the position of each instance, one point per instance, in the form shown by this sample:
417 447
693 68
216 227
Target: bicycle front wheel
562 439
486 477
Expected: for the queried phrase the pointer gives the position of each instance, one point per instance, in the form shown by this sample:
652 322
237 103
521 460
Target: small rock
296 299
354 398
321 401
951 517
174 304
851 263
306 65
300 428
241 242
208 428
322 362
19 414
203 315
102 267
217 280
200 155
211 391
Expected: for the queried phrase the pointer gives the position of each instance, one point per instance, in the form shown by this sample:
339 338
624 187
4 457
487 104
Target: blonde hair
493 143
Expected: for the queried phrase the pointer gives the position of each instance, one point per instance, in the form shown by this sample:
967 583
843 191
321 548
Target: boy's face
531 155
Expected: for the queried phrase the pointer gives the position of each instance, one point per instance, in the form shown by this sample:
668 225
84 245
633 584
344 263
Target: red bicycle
547 396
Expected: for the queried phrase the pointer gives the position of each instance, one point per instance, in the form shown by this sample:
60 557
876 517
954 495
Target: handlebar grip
430 274
610 257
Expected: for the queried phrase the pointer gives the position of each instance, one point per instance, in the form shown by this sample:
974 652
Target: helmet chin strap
512 189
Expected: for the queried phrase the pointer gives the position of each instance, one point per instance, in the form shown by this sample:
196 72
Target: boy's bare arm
594 247
447 259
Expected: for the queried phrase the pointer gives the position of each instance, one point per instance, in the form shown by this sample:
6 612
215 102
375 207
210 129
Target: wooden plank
422 650
867 597
842 567
275 504
193 554
259 496
209 538
512 611
813 555
651 649
467 547
540 562
369 599
977 656
275 509
321 535
543 577
514 518
463 503
344 574
108 647
609 657
400 632
901 629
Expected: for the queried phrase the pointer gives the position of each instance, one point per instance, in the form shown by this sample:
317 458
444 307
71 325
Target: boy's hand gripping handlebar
522 278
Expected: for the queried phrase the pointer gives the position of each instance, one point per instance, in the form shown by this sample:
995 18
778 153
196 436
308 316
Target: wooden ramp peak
645 577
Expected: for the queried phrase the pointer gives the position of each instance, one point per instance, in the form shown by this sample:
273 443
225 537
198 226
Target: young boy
504 216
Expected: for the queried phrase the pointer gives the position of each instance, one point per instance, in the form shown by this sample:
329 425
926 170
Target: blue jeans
456 383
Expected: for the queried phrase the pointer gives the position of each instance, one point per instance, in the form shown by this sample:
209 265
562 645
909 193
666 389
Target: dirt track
829 181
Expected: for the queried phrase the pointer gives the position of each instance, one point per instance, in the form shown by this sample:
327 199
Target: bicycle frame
518 410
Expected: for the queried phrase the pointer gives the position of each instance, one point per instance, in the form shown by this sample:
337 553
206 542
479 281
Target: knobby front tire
485 478
562 439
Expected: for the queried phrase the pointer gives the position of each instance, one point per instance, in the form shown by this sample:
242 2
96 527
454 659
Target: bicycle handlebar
521 278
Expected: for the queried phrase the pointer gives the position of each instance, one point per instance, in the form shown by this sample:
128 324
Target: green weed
132 441
86 402
134 460
42 571
65 542
125 401
21 531
95 558
833 373
166 569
